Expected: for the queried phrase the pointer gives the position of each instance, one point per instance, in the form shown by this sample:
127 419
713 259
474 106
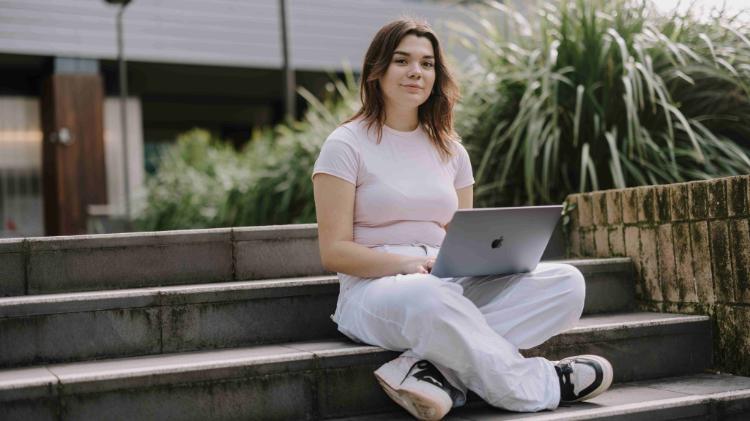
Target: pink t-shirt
404 191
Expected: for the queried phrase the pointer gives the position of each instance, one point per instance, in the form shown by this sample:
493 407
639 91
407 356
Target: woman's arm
334 208
465 199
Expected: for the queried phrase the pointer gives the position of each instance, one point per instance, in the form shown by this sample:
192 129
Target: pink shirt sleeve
338 158
464 175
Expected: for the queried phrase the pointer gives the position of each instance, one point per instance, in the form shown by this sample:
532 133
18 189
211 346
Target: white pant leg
526 308
432 318
529 308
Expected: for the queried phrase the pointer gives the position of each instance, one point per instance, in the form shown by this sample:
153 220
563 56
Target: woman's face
411 73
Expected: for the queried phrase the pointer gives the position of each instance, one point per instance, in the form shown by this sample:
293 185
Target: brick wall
690 243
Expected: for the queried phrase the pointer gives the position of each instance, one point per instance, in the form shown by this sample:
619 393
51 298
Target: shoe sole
607 373
419 406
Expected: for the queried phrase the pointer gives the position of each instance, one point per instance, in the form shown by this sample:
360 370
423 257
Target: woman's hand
417 264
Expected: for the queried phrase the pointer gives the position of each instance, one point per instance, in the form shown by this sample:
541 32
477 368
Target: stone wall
690 243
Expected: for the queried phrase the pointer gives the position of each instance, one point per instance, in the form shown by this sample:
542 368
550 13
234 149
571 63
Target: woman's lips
412 88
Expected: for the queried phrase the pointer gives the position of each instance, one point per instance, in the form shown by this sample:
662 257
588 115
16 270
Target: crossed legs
472 328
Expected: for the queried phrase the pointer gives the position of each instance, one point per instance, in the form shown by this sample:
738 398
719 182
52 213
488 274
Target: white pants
470 328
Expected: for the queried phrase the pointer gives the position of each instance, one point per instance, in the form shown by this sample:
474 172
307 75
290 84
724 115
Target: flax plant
593 95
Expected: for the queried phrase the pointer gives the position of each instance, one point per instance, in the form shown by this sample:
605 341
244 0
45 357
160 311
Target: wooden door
73 172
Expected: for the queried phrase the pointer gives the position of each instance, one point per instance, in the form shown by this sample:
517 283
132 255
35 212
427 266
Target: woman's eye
400 60
428 64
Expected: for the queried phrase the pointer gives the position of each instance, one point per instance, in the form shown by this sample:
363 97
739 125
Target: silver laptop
495 241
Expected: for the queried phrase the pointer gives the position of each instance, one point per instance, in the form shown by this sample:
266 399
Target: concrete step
50 265
108 324
47 265
694 397
312 379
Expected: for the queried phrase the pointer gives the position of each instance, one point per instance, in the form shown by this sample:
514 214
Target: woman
387 182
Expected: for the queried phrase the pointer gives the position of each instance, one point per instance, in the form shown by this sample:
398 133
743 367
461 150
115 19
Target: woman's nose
415 71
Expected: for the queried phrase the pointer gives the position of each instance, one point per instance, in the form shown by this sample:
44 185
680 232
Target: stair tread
300 352
63 302
147 296
632 319
621 399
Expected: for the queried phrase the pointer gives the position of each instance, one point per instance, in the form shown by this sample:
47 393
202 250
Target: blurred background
173 114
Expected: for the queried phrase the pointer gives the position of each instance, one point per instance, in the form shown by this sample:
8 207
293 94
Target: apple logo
497 242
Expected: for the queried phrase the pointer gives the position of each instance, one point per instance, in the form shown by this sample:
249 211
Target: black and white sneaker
420 388
583 377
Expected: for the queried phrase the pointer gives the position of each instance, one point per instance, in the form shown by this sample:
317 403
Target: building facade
214 64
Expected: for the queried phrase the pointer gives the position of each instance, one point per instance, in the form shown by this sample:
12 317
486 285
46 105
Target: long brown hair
435 114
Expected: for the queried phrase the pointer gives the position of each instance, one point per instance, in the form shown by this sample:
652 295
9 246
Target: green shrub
202 182
602 94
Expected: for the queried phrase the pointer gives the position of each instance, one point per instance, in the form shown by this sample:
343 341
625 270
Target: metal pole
289 82
3 200
123 107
